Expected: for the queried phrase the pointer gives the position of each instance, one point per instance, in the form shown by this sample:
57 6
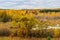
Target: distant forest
50 10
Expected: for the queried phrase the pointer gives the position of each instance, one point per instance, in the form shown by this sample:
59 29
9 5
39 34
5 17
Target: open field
18 38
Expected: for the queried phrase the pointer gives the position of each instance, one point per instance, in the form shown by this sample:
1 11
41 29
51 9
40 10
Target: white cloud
16 0
8 4
29 4
2 0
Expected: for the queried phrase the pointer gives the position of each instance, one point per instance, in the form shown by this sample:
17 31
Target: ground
18 38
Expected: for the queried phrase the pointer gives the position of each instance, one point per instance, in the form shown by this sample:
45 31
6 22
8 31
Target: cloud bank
29 4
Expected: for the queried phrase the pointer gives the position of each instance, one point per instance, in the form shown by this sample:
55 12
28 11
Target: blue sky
29 4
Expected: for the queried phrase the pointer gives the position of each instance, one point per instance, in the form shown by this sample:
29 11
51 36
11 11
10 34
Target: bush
4 17
49 38
4 32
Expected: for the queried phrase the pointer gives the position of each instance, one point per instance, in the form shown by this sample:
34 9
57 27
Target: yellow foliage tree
56 32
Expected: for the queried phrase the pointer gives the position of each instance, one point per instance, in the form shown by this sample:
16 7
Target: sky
29 4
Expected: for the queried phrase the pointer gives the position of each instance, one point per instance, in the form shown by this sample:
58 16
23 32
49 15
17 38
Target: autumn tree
4 17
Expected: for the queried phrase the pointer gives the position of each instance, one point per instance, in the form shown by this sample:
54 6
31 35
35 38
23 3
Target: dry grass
18 38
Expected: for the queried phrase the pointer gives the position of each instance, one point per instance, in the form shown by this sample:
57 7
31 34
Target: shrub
49 38
4 32
4 17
